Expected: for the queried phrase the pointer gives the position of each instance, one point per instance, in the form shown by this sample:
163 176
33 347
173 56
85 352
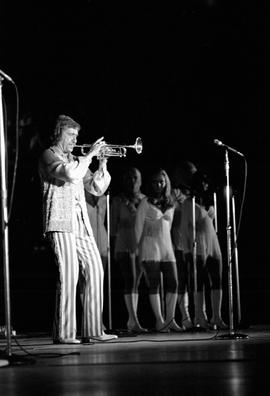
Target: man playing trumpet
66 226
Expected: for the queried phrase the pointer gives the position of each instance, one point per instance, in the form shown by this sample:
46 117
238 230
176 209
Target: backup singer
153 234
208 257
66 225
124 208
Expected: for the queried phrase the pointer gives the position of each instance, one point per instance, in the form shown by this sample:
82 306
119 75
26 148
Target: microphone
6 76
219 143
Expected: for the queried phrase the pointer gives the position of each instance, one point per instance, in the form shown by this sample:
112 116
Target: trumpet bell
138 145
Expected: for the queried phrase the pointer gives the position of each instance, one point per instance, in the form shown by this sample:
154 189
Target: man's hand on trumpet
94 150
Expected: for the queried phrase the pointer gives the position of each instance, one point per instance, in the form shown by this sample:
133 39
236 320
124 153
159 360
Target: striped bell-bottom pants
74 252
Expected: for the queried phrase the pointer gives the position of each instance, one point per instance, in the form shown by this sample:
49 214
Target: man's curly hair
63 122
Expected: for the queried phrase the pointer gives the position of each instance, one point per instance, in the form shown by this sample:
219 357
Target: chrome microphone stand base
231 336
15 360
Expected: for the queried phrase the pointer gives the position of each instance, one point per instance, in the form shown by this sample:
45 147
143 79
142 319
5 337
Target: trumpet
113 150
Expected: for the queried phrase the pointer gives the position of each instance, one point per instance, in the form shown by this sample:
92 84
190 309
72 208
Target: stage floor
197 363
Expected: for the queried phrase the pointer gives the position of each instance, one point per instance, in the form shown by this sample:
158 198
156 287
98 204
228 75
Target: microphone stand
194 258
235 253
7 356
215 208
232 334
194 246
4 225
109 258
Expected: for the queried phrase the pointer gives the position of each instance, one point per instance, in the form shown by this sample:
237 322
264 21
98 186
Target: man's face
134 181
68 139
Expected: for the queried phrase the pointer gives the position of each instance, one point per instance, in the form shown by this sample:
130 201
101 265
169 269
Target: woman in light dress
153 233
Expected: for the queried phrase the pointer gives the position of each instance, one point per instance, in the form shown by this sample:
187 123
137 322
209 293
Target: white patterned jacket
64 179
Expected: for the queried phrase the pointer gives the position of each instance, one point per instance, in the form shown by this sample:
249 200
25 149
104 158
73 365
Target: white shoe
105 337
4 362
67 341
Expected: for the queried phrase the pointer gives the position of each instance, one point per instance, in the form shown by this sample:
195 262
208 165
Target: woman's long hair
166 200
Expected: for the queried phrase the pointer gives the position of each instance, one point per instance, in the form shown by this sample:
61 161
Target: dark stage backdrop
179 75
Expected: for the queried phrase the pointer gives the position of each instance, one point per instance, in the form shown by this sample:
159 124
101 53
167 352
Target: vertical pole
109 260
215 208
235 254
232 334
162 296
229 248
4 226
194 251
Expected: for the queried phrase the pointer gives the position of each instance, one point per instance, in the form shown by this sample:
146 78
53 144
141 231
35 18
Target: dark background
177 74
